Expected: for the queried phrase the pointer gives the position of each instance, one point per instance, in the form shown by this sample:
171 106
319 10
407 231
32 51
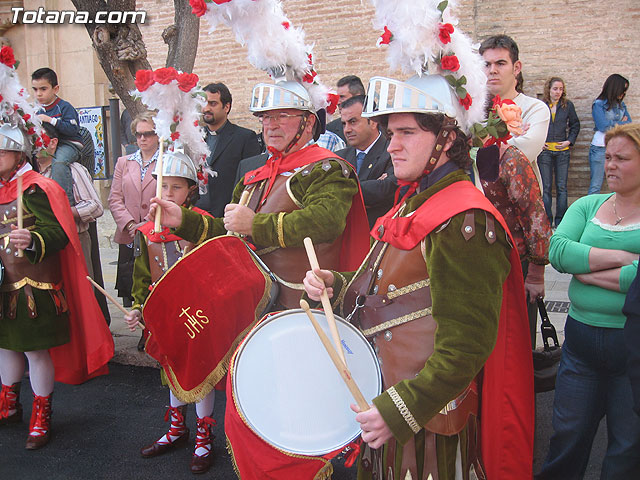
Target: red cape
355 242
507 421
91 345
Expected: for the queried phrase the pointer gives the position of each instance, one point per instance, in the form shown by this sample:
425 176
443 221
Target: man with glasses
295 190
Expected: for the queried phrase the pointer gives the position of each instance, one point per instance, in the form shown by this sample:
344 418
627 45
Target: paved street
100 426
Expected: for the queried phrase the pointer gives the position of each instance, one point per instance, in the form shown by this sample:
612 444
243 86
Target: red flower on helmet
31 131
385 38
198 7
164 76
144 79
175 136
6 56
220 2
309 76
446 29
286 25
26 117
333 100
466 101
450 62
186 81
45 139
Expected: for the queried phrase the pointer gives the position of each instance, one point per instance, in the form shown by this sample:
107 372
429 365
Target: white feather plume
271 39
179 109
15 95
416 47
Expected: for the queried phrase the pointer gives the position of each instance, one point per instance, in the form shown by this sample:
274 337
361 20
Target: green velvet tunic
48 329
326 200
466 289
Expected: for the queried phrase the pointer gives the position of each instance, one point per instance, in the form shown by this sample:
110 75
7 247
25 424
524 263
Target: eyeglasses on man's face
277 117
149 134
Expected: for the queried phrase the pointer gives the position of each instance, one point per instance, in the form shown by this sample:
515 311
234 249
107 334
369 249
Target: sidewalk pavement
126 353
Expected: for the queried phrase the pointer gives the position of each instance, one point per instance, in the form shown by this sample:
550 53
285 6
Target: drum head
288 390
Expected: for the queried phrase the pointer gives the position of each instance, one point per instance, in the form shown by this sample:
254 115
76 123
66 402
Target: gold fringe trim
233 458
404 410
25 216
397 321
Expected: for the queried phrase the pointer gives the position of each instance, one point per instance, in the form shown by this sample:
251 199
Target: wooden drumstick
244 199
159 163
20 210
337 361
113 300
326 303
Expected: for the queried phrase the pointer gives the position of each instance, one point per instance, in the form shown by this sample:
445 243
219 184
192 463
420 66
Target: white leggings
204 408
41 371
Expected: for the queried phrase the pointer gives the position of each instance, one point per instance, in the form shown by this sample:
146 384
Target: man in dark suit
367 151
347 87
228 143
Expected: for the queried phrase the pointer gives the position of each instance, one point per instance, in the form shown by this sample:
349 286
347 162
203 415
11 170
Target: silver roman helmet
177 164
12 138
419 94
285 94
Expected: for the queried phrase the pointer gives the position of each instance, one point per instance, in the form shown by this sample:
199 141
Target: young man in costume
49 312
180 186
301 190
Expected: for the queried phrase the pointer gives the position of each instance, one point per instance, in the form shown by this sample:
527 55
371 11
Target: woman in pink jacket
132 188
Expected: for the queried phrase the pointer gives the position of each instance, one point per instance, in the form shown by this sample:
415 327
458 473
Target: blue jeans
592 382
65 155
557 163
596 163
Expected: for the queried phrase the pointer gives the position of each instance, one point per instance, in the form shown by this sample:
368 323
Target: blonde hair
628 130
146 116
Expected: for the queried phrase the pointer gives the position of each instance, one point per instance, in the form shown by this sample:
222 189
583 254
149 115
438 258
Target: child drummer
157 252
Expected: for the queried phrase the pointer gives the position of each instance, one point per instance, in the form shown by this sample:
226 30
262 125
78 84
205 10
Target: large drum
287 389
200 310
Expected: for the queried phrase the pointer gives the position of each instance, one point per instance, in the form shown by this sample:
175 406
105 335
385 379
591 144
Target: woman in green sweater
598 242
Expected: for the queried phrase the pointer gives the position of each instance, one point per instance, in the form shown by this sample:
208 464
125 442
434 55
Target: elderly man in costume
42 316
441 297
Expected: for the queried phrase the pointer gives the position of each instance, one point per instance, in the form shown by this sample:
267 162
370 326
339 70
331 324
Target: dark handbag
545 361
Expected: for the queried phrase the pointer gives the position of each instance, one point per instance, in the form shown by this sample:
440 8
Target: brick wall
580 40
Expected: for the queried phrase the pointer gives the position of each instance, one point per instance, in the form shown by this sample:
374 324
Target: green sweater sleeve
325 197
466 289
566 253
48 235
627 275
141 275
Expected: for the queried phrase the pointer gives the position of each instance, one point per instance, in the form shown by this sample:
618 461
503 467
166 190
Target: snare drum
289 392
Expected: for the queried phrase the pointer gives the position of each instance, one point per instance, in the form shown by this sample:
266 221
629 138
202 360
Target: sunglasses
145 134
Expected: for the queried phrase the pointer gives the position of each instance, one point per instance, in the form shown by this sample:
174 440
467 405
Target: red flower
220 2
386 37
1 98
175 136
6 56
466 101
186 81
333 100
45 139
195 123
309 76
198 7
446 29
144 79
286 25
310 59
31 131
498 101
164 76
26 117
450 62
176 118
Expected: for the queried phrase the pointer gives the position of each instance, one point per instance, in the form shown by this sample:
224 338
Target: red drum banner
200 310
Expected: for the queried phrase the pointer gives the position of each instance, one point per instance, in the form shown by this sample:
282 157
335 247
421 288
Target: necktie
359 159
